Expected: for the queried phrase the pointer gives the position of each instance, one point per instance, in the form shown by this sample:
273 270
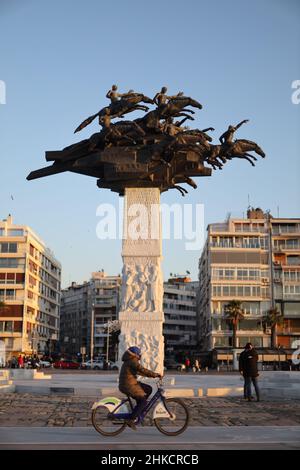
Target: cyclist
129 385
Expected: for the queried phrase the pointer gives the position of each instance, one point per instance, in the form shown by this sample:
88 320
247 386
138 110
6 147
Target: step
28 374
9 388
224 391
4 373
280 393
5 382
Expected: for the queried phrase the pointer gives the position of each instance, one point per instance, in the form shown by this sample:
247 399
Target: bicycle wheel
105 425
178 421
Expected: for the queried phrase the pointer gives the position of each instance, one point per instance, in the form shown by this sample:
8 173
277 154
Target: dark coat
130 369
248 363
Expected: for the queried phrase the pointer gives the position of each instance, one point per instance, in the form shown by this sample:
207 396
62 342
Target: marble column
141 314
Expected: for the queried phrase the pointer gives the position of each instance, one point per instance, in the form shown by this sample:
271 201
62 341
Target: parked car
45 364
64 364
31 364
96 365
173 365
113 366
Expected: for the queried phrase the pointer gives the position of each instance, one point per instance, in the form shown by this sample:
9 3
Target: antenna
248 201
277 212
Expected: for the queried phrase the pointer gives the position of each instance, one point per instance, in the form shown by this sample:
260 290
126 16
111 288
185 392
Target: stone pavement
74 411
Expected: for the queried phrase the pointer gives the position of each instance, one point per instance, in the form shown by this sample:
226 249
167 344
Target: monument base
147 334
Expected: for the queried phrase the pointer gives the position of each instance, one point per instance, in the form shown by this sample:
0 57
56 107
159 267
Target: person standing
20 362
248 368
197 365
187 364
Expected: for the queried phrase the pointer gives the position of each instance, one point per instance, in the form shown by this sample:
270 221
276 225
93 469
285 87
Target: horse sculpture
238 149
152 151
118 108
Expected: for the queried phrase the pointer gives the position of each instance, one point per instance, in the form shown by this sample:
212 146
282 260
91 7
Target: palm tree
234 313
272 319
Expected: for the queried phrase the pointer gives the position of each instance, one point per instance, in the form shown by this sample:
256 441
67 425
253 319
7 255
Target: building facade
180 326
87 308
256 261
74 319
30 290
92 305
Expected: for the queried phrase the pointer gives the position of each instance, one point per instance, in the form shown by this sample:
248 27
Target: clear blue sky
58 59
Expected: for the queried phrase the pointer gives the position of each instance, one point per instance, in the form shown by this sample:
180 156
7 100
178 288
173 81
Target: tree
234 313
272 319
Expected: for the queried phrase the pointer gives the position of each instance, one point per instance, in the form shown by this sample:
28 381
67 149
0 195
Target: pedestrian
20 362
14 363
197 365
187 364
248 368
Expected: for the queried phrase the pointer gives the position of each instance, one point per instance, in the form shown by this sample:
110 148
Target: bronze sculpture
150 151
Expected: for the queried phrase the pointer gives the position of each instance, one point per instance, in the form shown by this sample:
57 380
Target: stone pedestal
141 314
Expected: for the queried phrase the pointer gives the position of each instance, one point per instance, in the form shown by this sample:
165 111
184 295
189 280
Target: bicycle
170 415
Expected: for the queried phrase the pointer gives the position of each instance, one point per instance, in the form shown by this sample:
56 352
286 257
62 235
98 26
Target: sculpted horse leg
251 156
244 157
182 190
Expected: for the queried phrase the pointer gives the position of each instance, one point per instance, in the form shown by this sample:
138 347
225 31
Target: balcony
289 331
257 246
291 230
295 246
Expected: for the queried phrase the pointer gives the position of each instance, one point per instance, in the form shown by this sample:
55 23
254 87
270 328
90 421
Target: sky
58 59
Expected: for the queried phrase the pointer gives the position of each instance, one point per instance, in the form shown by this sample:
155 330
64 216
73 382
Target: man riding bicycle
129 385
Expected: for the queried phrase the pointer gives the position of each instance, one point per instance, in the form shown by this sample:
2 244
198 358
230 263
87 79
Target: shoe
249 399
257 399
131 424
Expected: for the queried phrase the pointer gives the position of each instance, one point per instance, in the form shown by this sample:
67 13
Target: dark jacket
248 363
130 369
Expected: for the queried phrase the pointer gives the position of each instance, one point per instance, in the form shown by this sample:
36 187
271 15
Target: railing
219 227
246 229
286 246
283 230
238 245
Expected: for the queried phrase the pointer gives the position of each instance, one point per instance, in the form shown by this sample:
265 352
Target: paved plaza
55 410
62 419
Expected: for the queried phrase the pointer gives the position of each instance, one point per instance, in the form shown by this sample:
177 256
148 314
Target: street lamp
92 334
107 342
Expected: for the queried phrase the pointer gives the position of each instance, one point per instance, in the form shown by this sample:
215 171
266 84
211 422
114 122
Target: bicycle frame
156 397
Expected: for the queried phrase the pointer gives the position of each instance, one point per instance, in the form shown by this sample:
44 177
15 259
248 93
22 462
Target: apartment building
74 319
30 291
89 307
257 261
180 326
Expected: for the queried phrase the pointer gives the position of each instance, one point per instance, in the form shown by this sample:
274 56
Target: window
8 247
11 263
6 326
293 260
15 233
10 294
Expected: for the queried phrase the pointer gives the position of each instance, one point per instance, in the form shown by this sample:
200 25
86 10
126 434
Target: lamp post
107 342
92 334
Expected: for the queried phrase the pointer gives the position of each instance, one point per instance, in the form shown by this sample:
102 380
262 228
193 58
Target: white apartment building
257 261
30 290
180 326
